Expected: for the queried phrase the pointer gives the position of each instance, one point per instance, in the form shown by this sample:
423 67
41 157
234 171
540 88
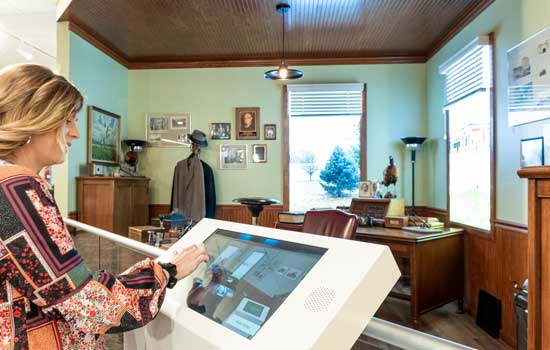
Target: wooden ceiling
223 33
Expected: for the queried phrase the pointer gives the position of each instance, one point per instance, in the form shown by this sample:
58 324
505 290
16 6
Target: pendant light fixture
283 73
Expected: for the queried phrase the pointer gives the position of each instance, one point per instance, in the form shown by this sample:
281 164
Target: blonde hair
33 100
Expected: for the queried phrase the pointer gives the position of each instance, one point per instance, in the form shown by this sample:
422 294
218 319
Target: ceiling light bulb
283 72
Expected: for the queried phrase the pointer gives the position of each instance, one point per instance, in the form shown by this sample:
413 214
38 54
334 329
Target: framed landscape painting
103 136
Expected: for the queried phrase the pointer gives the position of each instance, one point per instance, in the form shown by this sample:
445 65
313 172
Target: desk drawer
397 249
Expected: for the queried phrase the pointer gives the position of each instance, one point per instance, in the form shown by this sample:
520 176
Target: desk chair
332 223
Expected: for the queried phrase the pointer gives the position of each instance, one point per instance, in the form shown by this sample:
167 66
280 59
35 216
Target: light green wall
396 107
104 83
512 21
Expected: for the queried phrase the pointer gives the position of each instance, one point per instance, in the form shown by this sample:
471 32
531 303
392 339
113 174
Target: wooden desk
436 266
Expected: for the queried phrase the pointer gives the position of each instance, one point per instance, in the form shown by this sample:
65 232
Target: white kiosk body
266 288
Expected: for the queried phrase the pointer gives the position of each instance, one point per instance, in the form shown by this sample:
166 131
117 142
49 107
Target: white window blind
309 100
469 70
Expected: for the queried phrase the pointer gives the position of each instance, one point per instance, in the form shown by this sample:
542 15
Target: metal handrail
146 249
384 331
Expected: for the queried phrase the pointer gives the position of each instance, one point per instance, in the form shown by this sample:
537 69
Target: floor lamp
413 144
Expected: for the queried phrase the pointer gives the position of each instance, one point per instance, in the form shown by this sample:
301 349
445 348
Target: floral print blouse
49 299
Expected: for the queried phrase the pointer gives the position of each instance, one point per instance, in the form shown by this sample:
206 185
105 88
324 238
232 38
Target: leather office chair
332 223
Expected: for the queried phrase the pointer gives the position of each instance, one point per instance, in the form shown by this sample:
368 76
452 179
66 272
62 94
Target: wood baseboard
230 212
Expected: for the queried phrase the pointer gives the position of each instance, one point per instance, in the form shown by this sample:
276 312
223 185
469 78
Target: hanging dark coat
209 191
188 188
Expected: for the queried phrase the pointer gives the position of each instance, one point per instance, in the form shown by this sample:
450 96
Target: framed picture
247 123
270 132
220 131
259 153
95 169
233 157
167 129
367 189
103 137
532 152
529 79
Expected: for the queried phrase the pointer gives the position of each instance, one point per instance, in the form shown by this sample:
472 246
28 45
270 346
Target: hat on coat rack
198 138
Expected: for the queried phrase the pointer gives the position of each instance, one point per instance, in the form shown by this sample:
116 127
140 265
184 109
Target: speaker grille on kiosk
319 299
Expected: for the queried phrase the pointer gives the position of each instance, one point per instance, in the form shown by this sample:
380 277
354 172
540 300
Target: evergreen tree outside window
324 144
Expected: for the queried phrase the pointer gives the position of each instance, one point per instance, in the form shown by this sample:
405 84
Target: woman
49 299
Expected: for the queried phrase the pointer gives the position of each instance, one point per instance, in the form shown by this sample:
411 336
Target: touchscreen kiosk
248 278
265 288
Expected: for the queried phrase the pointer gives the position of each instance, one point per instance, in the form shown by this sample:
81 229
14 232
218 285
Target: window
469 118
326 153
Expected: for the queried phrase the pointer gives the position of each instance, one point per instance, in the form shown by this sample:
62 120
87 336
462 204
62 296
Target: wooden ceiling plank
233 33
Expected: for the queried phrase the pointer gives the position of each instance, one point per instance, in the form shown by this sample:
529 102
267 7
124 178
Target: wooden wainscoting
156 209
230 212
492 265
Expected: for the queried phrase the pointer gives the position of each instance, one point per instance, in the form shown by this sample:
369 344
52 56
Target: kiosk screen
248 278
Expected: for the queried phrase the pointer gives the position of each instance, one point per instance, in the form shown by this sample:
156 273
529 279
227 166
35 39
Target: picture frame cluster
247 127
172 130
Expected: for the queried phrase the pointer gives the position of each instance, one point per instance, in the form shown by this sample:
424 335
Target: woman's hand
188 260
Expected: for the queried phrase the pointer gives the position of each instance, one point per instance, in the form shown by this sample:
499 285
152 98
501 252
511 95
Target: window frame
286 155
487 234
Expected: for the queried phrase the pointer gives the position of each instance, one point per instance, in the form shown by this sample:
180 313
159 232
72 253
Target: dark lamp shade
135 145
413 142
279 74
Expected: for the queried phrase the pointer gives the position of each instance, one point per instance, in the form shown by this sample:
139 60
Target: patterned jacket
49 299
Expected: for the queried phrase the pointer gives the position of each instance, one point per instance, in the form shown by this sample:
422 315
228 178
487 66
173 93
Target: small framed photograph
220 131
532 152
167 129
233 157
270 132
103 136
367 189
178 123
96 169
247 123
259 153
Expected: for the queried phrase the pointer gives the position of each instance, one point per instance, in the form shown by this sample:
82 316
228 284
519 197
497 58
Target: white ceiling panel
30 24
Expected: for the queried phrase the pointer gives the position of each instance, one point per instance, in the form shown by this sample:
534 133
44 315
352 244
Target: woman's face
52 147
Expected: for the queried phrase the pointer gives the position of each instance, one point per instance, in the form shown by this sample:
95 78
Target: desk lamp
413 144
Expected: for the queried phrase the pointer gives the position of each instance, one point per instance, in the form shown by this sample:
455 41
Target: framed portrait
103 137
247 123
167 129
270 132
259 153
532 152
220 131
233 157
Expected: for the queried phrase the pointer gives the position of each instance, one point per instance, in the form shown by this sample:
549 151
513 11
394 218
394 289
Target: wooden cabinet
113 203
538 249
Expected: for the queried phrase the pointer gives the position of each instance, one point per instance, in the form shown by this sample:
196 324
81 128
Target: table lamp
413 144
